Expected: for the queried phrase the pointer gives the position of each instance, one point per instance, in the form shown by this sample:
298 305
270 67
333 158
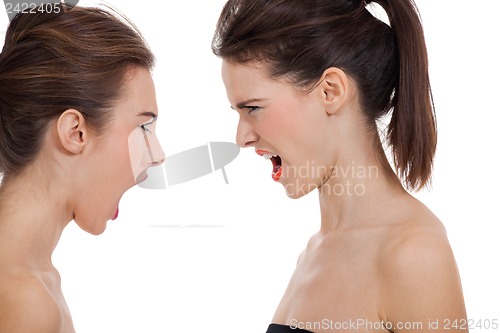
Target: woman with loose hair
311 81
77 129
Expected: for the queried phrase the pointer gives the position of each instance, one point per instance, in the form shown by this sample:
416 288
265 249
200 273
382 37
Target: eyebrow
148 114
244 104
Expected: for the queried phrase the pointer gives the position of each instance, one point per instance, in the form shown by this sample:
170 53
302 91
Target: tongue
277 173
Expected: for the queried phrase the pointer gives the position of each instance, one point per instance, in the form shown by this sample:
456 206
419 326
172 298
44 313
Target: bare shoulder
417 234
419 276
26 305
421 248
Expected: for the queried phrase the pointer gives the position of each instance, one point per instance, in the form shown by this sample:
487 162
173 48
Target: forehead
245 81
139 92
235 74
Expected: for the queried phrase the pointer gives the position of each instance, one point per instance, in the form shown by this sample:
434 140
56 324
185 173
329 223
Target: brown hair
78 58
300 39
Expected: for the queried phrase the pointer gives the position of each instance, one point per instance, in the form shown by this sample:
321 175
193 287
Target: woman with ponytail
311 81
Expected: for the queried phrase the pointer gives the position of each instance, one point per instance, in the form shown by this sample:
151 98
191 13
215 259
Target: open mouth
276 160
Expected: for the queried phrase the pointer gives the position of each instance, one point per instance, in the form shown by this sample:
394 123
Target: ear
72 131
334 89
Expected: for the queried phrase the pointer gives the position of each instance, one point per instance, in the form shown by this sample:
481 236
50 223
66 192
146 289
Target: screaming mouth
276 160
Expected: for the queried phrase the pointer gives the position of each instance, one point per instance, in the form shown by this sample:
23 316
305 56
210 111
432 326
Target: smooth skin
380 255
79 175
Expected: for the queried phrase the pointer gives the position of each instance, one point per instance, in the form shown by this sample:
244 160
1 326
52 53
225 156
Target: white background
153 271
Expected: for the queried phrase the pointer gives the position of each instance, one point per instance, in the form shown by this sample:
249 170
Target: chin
91 226
294 195
96 232
296 191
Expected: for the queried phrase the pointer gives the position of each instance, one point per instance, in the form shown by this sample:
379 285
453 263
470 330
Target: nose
158 155
245 135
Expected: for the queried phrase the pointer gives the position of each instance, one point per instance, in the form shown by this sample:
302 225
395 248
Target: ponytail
412 132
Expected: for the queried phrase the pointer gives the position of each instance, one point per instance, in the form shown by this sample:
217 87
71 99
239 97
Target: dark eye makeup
252 108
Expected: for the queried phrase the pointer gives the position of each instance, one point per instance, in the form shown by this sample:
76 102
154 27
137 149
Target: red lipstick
116 214
277 173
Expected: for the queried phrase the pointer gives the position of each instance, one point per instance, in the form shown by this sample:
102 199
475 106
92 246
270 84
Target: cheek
282 124
299 129
306 141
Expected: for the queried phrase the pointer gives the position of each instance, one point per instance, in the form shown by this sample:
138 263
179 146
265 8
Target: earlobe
72 131
334 88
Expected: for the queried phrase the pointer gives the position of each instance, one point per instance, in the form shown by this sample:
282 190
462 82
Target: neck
358 186
33 214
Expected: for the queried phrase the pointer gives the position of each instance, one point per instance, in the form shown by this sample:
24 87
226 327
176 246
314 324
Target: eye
145 125
252 108
145 128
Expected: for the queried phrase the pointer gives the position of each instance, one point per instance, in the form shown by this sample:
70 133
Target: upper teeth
268 156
